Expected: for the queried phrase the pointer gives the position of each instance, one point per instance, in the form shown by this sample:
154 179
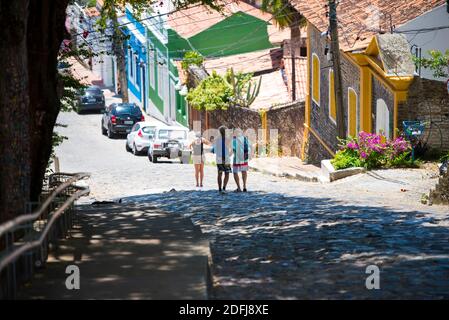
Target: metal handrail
12 224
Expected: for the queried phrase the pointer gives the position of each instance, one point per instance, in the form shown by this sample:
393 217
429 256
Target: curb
297 176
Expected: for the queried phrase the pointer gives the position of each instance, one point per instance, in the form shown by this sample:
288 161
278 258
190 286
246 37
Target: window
130 64
172 134
173 98
332 102
152 69
352 112
136 70
160 77
382 118
316 79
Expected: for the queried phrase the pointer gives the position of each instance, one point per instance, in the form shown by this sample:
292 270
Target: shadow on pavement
272 246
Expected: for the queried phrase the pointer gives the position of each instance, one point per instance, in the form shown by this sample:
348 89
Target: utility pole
293 57
335 51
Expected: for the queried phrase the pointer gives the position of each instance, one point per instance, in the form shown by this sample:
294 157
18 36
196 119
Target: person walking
198 157
222 150
241 151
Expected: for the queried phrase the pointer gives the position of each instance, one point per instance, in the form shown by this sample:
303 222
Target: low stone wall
234 117
428 100
287 119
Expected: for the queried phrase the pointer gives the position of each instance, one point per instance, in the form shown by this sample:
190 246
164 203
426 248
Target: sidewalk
289 167
127 251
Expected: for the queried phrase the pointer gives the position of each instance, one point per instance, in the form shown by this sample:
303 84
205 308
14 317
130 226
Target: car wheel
128 149
134 150
110 134
154 159
103 130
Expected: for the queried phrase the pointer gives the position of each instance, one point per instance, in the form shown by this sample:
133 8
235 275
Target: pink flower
363 155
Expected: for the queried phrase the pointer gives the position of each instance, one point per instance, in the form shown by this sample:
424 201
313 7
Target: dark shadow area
272 246
126 252
86 112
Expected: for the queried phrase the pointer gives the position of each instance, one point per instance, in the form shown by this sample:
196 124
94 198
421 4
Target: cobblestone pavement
285 239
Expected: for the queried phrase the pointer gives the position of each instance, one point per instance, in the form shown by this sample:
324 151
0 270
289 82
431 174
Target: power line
192 22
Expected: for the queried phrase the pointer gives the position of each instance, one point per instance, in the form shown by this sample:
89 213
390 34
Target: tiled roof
191 21
359 20
255 61
273 89
300 76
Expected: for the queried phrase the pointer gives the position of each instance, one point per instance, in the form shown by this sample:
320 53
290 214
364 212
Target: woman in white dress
198 157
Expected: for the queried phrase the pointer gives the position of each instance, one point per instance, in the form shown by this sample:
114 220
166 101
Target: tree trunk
14 110
119 52
46 30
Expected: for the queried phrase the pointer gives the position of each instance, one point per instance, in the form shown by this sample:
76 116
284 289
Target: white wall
430 40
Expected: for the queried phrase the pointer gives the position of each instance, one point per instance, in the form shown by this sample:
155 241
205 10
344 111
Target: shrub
346 158
373 151
212 93
191 58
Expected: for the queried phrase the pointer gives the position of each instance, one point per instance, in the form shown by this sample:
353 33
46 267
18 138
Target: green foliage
212 93
91 3
284 12
346 158
438 63
192 58
373 151
445 157
220 92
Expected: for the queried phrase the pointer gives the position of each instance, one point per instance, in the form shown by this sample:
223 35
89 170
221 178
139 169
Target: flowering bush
371 150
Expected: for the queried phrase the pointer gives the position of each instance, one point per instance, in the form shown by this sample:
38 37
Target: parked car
119 118
169 142
138 140
91 99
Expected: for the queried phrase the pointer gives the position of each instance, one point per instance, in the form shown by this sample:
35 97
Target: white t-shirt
221 152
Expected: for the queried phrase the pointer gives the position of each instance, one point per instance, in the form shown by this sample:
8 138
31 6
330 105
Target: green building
240 28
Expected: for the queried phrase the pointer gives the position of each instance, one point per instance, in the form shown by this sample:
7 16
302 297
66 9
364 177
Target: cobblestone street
285 239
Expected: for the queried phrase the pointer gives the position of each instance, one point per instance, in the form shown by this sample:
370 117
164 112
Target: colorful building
159 40
376 64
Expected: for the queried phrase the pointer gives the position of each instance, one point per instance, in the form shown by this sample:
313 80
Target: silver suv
169 142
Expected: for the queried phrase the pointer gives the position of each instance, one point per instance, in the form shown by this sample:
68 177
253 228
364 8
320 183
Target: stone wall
234 117
320 121
428 100
288 119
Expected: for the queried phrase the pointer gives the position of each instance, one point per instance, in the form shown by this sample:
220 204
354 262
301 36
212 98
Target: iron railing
26 240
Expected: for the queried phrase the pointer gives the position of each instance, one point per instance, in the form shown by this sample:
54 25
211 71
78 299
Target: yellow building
377 70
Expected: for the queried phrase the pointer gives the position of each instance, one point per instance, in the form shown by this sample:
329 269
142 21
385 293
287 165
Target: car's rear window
172 134
128 109
149 130
93 91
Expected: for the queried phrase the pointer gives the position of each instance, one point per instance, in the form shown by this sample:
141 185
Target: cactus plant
244 90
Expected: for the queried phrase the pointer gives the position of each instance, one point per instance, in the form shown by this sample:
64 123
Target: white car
139 138
169 142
